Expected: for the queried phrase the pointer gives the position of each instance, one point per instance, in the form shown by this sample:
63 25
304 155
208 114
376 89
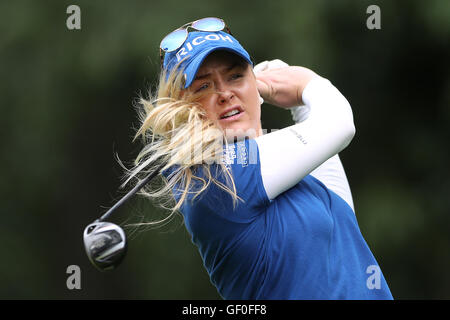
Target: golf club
106 242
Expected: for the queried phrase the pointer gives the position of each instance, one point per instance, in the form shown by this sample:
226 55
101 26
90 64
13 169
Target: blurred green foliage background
66 99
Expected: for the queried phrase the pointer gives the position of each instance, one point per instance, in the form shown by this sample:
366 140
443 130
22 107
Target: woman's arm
331 173
289 154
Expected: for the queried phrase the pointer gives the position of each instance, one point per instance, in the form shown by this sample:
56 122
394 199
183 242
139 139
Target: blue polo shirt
304 244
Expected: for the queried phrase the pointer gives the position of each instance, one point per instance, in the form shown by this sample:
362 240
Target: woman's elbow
348 130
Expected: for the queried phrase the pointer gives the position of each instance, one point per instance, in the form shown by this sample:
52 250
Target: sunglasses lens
173 40
209 24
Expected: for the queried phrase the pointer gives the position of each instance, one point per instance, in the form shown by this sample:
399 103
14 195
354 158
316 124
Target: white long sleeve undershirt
324 127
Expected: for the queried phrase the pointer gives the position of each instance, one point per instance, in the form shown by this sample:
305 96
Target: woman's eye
202 87
236 76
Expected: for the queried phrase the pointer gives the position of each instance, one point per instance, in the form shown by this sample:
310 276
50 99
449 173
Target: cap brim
191 70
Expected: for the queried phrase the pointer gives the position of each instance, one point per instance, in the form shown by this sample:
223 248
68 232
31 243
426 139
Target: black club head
105 244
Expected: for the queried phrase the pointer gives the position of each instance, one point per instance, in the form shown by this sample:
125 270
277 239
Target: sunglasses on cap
176 38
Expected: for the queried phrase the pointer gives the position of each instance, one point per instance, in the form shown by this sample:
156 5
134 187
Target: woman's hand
280 84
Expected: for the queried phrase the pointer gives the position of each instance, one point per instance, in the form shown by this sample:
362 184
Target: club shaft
131 193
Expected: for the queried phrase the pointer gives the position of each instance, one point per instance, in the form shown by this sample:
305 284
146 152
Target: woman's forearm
290 154
331 173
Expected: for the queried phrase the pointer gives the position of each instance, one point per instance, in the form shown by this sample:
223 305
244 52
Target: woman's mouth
232 114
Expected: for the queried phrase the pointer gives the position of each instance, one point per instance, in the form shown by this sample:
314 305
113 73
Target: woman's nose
225 96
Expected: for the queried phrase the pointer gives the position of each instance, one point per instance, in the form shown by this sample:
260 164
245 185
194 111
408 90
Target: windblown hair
175 130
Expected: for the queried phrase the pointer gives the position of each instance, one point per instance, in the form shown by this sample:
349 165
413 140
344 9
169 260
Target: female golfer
271 214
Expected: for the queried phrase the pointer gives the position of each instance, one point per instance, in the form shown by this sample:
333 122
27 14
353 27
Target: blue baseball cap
198 45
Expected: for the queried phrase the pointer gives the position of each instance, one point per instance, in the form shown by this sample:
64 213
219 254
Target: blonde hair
172 123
